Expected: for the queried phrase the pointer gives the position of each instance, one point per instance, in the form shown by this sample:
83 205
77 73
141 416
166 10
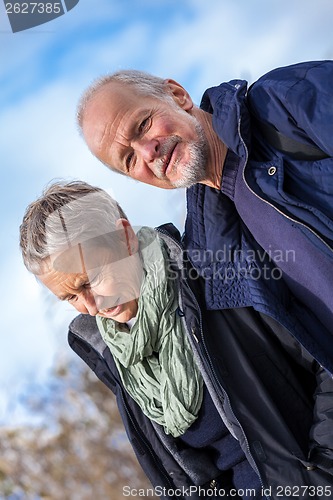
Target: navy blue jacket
265 240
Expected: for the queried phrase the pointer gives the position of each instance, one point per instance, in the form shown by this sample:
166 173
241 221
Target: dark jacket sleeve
321 435
298 101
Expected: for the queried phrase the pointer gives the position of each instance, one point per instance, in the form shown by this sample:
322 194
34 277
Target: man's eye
71 298
129 159
144 125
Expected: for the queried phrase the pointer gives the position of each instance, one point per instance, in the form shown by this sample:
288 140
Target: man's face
153 141
101 287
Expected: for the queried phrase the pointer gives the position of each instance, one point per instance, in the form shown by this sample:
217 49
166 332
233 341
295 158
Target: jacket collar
231 122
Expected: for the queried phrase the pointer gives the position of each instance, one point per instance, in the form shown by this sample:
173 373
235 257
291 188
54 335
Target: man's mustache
160 164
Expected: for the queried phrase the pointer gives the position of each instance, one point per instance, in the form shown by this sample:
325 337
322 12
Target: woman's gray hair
143 83
66 214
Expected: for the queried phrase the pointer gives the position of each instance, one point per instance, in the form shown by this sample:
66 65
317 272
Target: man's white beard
195 170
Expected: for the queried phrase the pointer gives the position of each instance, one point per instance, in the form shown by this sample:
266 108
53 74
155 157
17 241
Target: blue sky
42 74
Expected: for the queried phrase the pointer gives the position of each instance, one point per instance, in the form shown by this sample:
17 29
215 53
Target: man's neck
217 151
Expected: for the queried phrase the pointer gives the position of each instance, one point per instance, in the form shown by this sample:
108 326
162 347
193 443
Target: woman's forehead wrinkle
79 280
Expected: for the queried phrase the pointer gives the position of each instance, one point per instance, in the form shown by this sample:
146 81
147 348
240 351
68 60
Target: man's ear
129 235
179 94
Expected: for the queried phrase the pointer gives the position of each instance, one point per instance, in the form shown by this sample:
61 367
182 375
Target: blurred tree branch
79 451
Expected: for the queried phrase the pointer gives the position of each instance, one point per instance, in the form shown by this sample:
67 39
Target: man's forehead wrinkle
114 133
100 135
104 138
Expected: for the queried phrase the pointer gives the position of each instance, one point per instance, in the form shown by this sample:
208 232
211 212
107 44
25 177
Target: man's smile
168 160
164 164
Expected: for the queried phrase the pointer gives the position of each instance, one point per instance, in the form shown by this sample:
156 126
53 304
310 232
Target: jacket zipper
222 394
218 388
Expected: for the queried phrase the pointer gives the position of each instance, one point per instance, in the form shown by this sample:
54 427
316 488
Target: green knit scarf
154 357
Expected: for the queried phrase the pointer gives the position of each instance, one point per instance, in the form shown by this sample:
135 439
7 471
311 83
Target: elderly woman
93 259
215 403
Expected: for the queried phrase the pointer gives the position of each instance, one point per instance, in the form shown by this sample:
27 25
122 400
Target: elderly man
259 170
203 394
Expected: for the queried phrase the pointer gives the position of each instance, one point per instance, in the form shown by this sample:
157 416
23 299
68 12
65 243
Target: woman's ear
179 94
129 235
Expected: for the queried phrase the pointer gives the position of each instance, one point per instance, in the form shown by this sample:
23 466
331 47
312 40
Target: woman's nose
91 303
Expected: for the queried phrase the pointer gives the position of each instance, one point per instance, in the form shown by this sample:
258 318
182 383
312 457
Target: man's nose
147 148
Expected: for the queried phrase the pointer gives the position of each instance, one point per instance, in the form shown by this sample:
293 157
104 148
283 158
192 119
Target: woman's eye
93 283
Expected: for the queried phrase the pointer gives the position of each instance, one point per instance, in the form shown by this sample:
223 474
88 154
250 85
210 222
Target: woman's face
103 286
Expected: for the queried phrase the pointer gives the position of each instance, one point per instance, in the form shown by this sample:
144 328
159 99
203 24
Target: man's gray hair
66 214
143 83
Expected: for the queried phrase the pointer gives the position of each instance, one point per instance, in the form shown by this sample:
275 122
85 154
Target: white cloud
226 40
28 337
